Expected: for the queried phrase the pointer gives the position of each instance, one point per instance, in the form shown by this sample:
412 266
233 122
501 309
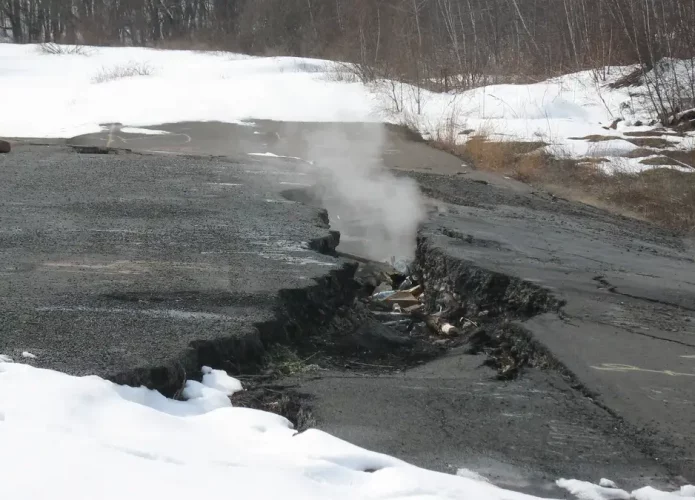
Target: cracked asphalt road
627 331
112 263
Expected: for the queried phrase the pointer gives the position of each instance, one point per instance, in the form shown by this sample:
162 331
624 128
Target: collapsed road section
497 273
142 268
624 335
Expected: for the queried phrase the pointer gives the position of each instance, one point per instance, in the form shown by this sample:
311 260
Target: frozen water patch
28 355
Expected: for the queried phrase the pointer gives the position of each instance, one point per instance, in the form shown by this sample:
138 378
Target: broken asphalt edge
515 300
298 313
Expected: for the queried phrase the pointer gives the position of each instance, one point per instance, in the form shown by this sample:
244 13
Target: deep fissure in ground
340 325
336 323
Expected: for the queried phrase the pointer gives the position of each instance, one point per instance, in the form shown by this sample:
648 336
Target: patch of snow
471 475
607 490
142 131
575 148
5 359
28 355
584 490
273 155
649 493
220 381
129 442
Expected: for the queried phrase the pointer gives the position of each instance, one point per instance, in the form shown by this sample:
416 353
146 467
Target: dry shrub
55 49
446 135
504 157
122 71
342 72
530 168
664 196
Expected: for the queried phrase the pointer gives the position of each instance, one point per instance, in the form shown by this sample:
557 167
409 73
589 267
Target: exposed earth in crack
552 372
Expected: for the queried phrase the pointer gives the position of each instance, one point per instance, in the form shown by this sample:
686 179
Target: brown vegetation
122 71
664 196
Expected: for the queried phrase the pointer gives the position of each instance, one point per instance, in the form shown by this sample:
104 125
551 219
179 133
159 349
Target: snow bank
65 437
562 112
607 490
60 95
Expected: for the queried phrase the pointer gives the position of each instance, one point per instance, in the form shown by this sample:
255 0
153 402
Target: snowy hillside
59 95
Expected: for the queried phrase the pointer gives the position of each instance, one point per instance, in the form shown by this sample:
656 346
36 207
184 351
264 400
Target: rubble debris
279 399
387 278
407 283
402 298
382 287
383 295
5 146
467 323
378 338
449 329
413 309
369 275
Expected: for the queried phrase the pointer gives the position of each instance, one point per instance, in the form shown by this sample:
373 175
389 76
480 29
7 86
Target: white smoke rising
377 213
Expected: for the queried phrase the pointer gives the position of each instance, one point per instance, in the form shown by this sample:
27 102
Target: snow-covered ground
48 95
65 95
73 438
